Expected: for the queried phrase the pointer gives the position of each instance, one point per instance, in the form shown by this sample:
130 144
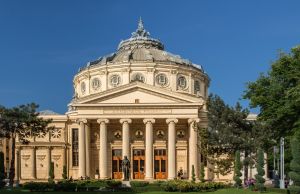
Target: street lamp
282 185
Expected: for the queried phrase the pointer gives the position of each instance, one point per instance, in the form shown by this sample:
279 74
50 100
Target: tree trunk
12 162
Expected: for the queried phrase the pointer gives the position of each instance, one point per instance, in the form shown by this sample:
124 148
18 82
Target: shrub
186 186
113 184
39 186
65 186
139 183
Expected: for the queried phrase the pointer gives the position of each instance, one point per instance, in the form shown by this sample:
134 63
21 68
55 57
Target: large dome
141 47
141 58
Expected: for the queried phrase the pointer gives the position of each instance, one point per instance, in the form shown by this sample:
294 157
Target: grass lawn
221 191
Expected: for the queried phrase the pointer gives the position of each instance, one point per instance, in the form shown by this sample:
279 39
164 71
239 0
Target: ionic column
81 149
149 148
171 148
33 162
103 148
87 149
125 137
193 149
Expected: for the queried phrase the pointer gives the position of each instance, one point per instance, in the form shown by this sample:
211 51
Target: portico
131 143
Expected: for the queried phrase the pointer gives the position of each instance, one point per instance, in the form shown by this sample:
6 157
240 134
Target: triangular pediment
138 93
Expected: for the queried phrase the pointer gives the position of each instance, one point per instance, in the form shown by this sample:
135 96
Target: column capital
196 120
171 120
81 121
149 120
102 121
125 120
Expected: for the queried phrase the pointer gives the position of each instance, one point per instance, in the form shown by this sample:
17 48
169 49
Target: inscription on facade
137 111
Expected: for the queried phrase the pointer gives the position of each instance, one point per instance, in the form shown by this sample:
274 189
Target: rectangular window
75 156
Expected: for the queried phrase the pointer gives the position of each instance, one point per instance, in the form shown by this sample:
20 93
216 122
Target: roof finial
140 32
141 24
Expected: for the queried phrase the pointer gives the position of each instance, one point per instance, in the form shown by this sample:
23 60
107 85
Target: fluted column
171 148
149 148
103 149
33 162
87 150
81 150
125 137
193 149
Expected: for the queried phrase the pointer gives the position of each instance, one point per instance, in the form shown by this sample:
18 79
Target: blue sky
43 43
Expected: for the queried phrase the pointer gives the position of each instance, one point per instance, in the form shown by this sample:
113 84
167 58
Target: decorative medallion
115 80
118 134
139 134
161 79
180 133
138 77
41 134
160 133
25 134
96 83
181 82
56 133
83 87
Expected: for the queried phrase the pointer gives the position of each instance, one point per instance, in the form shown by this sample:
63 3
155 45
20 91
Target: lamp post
282 185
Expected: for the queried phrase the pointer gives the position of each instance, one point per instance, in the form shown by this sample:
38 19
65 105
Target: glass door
138 164
160 164
117 164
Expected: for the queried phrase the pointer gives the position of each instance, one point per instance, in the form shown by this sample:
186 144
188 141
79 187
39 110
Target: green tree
229 131
295 165
237 170
277 95
51 173
65 174
193 174
2 169
202 172
260 171
22 121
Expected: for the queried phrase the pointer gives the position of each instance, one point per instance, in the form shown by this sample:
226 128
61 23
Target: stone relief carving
139 134
118 134
56 133
160 134
180 133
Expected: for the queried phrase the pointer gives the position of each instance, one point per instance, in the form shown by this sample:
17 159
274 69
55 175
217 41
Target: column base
106 177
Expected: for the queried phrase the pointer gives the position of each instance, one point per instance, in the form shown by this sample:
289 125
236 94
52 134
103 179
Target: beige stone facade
141 102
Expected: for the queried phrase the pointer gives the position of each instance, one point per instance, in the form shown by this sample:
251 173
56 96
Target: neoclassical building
141 102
